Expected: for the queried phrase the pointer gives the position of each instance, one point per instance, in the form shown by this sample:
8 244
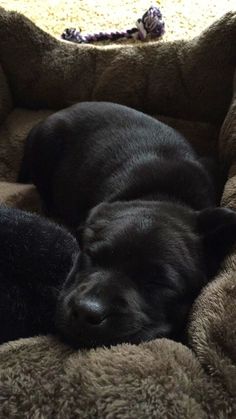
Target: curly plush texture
191 84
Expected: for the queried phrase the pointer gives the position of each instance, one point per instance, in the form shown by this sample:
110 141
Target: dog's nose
88 311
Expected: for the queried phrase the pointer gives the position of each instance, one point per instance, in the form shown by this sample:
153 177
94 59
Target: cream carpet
184 18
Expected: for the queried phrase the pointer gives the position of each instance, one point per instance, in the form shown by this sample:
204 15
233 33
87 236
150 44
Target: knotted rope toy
151 24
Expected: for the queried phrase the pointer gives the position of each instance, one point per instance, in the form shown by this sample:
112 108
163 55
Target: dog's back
97 151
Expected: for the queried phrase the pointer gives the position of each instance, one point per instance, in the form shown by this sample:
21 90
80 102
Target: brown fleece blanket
190 85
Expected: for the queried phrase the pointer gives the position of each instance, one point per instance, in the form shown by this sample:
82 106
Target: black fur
148 229
35 258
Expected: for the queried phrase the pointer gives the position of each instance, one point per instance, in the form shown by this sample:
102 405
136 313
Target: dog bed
189 85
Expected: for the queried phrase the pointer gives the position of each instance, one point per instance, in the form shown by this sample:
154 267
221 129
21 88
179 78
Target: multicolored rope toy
151 24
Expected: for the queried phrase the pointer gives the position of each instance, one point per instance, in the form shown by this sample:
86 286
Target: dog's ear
217 226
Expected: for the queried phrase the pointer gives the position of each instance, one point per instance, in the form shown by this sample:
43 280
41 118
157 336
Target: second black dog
35 257
142 199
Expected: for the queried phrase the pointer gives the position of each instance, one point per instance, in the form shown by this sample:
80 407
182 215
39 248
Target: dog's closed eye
150 275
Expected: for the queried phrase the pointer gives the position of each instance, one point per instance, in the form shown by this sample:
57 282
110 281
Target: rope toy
151 24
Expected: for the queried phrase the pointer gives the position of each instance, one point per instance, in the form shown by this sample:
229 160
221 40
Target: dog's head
141 266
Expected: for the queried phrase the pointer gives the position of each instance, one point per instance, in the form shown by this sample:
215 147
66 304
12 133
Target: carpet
184 18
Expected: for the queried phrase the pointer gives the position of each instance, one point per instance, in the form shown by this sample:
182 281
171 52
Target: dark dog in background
149 231
35 258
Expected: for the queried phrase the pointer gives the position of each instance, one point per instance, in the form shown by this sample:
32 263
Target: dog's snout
87 311
103 309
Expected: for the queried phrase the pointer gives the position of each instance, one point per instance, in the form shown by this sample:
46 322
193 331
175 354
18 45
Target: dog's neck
191 201
163 180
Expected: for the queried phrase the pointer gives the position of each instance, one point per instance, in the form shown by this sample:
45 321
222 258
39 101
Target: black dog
142 199
35 258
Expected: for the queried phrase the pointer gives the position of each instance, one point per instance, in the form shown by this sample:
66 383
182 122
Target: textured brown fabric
24 197
191 85
187 79
13 132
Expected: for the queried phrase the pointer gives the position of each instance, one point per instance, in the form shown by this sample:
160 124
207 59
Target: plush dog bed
189 84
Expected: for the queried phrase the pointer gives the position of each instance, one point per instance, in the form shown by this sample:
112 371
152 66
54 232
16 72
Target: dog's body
92 153
141 196
35 258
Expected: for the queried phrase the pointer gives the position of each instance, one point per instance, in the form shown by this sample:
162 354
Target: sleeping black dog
148 228
35 258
